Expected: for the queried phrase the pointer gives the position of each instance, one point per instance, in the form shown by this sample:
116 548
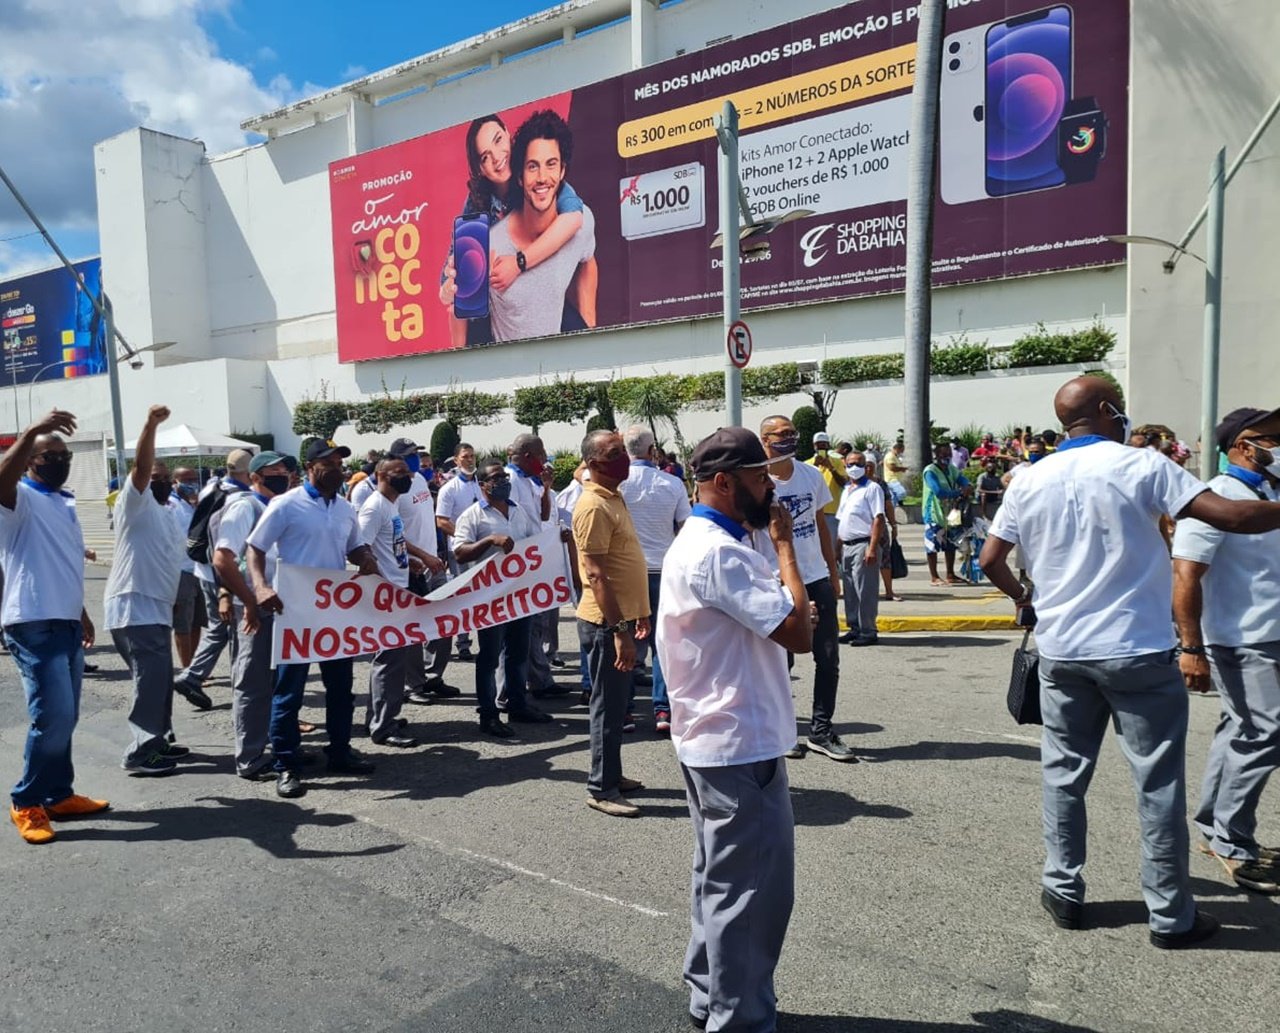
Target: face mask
187 490
500 492
1126 424
276 483
401 485
1034 457
54 471
413 462
856 472
161 490
784 448
1267 459
330 480
755 515
617 469
470 471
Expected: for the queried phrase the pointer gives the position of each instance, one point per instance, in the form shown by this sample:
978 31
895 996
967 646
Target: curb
942 622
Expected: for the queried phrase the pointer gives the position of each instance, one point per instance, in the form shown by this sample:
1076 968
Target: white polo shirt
1242 585
657 502
1087 518
418 513
859 505
526 491
148 561
382 528
42 556
182 514
456 494
481 520
308 530
727 681
805 493
239 517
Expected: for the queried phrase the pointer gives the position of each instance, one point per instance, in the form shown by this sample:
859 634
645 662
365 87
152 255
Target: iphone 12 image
962 163
471 266
1028 85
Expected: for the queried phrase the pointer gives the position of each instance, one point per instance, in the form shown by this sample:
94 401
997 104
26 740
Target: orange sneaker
76 806
33 824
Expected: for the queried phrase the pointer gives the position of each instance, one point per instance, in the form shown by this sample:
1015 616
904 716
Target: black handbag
897 562
1024 685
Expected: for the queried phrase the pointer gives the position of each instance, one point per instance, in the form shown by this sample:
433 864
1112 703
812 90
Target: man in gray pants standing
723 630
1086 518
860 524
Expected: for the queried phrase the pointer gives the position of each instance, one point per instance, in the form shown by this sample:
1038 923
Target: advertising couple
542 271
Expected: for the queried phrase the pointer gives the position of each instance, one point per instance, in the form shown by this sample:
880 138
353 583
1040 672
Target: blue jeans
50 659
659 691
286 704
507 644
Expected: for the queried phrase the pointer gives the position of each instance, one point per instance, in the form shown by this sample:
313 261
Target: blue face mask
1034 457
413 462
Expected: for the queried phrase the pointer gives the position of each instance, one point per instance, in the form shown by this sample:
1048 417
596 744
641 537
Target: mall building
224 262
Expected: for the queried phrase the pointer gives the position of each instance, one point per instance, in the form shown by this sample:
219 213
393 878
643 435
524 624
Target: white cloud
67 82
353 72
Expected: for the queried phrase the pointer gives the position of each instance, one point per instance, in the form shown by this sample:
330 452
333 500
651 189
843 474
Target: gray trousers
544 637
742 893
610 694
147 650
1246 746
861 588
386 690
1146 699
428 662
252 683
217 636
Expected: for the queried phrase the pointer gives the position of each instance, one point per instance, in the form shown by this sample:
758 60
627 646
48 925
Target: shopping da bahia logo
853 237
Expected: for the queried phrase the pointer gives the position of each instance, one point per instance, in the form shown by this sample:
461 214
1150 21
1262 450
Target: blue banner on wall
50 329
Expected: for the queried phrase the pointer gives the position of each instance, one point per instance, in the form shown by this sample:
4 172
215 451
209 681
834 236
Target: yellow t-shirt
602 528
835 481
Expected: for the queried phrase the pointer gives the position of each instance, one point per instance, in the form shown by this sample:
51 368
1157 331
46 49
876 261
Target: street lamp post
727 132
31 386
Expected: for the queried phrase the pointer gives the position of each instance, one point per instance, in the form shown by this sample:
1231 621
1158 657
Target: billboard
50 330
598 207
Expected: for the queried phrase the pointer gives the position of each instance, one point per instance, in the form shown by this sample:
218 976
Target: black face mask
276 483
161 490
755 515
55 470
330 480
400 485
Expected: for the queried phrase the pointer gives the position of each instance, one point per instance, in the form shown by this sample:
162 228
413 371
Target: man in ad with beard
725 624
533 305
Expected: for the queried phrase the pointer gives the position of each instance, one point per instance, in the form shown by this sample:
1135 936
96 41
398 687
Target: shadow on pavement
269 824
947 639
1002 1021
929 750
1249 923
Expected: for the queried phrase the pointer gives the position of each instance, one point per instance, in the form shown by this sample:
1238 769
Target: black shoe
554 689
173 751
351 764
831 746
154 763
438 688
869 640
259 771
420 696
289 785
193 695
529 715
847 637
1201 929
88 668
402 722
303 759
696 1022
584 698
1066 914
555 661
400 742
465 655
494 726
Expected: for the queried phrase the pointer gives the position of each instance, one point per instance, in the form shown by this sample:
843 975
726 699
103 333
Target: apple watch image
1082 139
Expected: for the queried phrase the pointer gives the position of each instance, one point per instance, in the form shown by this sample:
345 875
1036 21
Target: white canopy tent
185 440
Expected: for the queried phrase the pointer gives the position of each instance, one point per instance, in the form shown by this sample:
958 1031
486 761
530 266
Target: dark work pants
610 693
826 656
286 704
509 643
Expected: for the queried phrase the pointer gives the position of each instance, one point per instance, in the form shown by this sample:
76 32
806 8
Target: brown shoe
629 785
33 824
76 806
614 808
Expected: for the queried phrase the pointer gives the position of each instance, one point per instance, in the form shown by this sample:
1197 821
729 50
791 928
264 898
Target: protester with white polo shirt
531 488
860 523
456 494
725 625
1226 600
1106 649
311 526
488 528
384 528
804 490
138 601
659 507
46 628
251 677
187 604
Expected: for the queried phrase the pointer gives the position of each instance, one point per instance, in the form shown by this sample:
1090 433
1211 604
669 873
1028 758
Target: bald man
1086 517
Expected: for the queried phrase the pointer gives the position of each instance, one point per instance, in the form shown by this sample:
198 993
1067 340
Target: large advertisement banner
598 207
50 330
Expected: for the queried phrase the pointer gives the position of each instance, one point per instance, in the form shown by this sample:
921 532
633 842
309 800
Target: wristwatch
521 262
622 627
1082 139
1192 650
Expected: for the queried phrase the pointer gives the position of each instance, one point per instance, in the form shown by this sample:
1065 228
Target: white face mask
856 472
1126 424
1272 466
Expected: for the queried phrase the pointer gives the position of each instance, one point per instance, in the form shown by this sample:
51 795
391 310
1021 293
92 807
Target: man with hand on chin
804 491
1226 601
612 613
46 628
311 526
725 625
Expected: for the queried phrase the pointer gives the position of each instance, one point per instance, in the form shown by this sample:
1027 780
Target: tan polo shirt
602 528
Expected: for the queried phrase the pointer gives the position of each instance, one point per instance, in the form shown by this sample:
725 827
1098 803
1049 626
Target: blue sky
194 68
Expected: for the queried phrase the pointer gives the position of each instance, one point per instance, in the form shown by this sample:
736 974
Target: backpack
198 539
216 517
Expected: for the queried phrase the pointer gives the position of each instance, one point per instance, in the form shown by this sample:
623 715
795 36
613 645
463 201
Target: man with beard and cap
312 526
138 601
46 628
1226 601
725 625
1106 653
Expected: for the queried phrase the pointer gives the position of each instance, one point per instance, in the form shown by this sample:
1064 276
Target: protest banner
332 615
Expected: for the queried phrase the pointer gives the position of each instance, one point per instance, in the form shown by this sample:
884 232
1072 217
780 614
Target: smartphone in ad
962 162
1028 84
471 265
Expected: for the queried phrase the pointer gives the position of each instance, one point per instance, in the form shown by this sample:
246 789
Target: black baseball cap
728 449
1238 421
322 449
402 447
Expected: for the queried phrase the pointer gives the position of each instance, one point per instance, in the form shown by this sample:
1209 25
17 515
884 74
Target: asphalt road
466 886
